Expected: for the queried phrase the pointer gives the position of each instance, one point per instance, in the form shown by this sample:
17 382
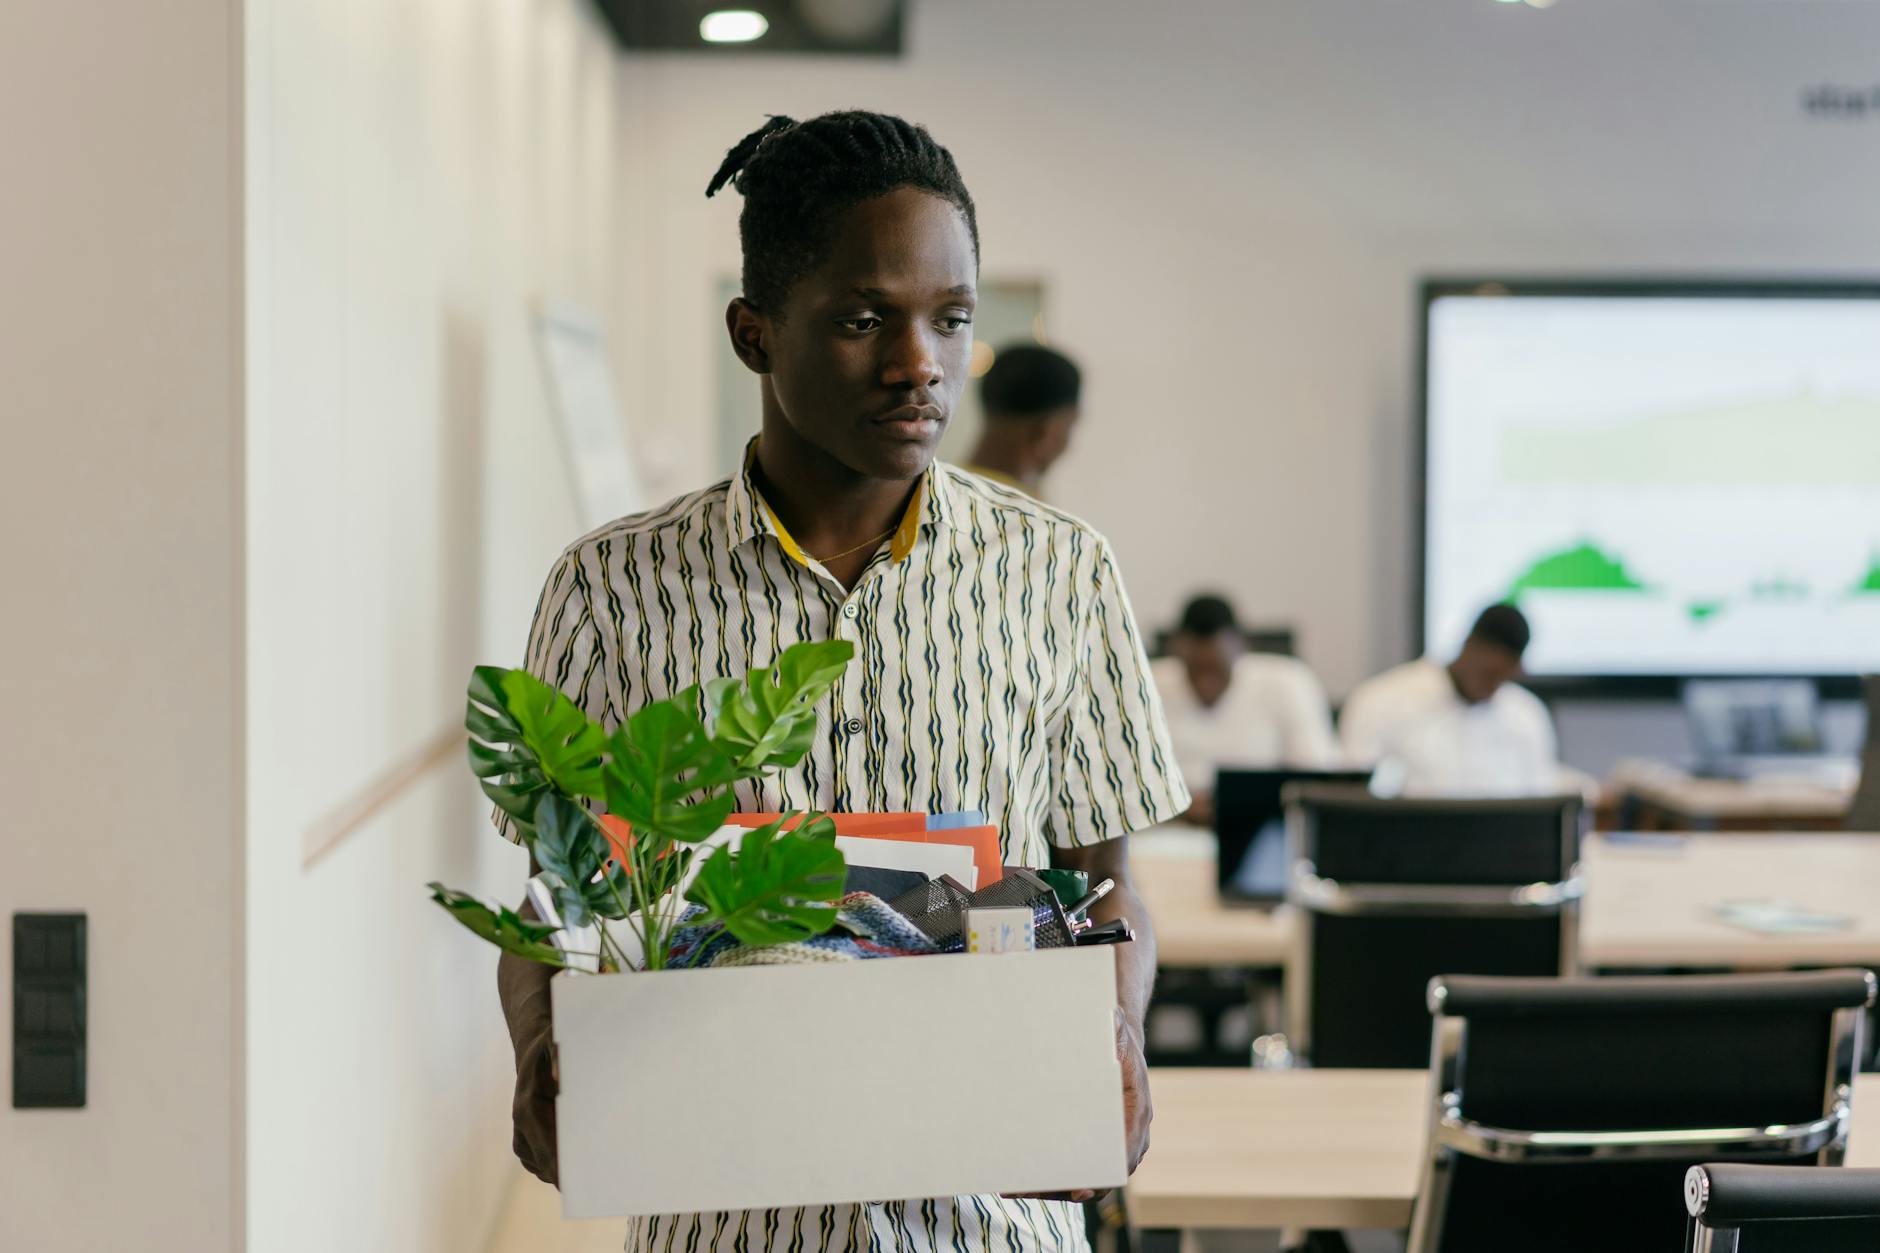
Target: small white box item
697 1090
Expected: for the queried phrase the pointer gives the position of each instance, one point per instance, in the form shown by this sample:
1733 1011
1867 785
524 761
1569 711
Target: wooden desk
1647 902
1305 1148
1176 879
1655 796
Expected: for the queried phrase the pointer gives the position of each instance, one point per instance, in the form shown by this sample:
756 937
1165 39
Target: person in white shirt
1227 707
1462 729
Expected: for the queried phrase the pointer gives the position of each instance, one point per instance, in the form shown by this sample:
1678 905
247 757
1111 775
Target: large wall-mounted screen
1669 480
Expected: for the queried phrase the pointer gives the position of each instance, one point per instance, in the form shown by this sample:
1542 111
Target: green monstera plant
666 777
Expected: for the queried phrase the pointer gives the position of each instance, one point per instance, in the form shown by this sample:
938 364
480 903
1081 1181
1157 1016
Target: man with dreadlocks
999 667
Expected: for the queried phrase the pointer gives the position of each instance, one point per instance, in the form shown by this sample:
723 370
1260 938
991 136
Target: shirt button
854 726
849 610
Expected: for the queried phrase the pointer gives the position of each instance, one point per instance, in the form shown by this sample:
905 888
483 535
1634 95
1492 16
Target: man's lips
911 414
911 421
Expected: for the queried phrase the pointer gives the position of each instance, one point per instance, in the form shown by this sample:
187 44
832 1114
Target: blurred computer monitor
1734 719
1250 828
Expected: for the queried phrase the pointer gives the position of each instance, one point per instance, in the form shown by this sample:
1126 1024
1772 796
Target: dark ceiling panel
843 27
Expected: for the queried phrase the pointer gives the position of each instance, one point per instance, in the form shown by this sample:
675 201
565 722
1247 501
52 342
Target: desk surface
1303 1148
1648 899
1647 902
1801 799
1174 873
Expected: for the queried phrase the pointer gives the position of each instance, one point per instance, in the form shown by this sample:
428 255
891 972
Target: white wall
120 555
1230 204
419 174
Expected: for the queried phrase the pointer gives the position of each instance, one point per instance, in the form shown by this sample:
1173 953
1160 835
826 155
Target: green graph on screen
1586 567
1582 568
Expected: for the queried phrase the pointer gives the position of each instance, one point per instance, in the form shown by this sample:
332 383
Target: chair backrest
1864 813
1393 892
1566 1110
1738 1208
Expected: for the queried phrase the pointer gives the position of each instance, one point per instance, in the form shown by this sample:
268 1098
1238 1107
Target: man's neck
1004 455
1455 684
827 507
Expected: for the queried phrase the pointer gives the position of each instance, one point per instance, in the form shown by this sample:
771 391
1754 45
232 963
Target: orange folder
984 841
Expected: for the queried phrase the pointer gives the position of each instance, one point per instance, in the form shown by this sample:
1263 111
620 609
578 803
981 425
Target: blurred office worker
1228 707
1029 397
1462 729
861 261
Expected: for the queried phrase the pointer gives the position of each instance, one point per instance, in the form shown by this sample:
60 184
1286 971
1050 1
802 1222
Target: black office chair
1736 1208
1566 1111
1393 892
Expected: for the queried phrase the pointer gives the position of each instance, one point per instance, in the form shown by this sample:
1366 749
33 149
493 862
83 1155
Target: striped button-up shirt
998 668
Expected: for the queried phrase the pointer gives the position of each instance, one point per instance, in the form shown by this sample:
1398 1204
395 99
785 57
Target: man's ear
750 334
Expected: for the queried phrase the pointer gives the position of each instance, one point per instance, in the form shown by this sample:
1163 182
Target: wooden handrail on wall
324 835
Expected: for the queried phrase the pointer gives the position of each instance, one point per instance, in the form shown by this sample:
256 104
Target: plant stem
633 869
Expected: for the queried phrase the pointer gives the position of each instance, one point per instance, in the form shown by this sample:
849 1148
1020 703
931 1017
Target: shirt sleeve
1113 770
1360 727
562 650
1543 767
1309 743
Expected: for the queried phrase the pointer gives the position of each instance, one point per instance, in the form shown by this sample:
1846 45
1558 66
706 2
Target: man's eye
865 323
951 324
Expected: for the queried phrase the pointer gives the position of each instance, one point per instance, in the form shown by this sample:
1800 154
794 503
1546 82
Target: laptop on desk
1750 729
1250 830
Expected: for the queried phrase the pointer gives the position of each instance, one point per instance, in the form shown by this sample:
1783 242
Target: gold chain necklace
849 552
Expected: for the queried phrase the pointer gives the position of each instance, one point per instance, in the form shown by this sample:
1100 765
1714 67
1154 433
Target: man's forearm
522 986
1135 963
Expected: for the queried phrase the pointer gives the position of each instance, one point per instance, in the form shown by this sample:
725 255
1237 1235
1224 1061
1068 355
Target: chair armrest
1732 1194
1474 1139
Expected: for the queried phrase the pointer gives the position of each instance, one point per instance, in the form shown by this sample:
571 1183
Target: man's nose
912 359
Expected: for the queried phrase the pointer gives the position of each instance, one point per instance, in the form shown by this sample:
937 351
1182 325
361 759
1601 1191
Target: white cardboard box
892 1079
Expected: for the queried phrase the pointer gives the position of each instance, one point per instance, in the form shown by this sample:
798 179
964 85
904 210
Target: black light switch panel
48 1011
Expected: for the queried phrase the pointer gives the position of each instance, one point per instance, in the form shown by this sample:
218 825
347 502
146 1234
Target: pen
1091 898
1115 931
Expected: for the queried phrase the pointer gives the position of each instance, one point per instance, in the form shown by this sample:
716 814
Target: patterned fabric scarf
866 927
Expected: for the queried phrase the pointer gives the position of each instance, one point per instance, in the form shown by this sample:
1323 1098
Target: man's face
1481 669
871 352
1209 662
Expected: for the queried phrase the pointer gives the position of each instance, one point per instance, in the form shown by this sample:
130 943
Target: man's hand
533 1108
1138 1112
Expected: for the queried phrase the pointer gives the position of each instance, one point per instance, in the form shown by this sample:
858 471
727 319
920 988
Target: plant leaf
769 720
500 925
667 777
778 887
526 739
573 854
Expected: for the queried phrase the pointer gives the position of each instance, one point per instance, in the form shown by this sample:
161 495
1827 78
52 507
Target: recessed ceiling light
732 26
1540 4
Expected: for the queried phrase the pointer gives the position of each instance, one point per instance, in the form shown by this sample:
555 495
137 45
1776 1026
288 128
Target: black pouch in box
938 907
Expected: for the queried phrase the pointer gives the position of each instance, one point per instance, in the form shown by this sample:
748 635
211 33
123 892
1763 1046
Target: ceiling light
733 26
1540 4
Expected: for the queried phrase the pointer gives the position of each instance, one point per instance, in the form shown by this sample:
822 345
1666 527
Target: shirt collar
750 516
